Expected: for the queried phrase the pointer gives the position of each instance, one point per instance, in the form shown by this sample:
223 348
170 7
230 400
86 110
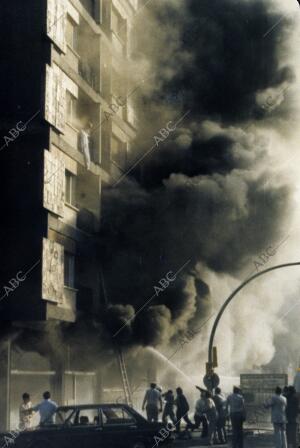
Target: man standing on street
292 411
25 417
153 403
220 402
46 409
278 405
200 417
237 412
212 417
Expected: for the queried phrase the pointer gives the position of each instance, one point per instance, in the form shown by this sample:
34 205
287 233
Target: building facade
67 125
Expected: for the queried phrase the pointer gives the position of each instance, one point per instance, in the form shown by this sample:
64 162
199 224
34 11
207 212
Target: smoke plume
203 196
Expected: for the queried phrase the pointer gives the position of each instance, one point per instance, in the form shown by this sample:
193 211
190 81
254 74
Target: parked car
92 426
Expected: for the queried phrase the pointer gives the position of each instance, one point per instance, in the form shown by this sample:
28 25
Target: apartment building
63 71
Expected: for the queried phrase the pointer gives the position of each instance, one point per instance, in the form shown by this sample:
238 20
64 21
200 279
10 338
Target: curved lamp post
227 302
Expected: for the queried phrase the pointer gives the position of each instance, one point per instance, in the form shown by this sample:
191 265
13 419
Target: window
118 24
70 193
118 85
82 417
69 269
117 416
90 6
87 417
118 152
71 108
72 34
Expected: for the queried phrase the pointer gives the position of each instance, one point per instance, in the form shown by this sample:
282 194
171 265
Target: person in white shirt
237 412
200 416
25 418
85 144
278 405
46 409
212 417
153 403
221 405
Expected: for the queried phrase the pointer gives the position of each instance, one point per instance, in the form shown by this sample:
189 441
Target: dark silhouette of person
182 410
220 402
153 403
169 407
292 411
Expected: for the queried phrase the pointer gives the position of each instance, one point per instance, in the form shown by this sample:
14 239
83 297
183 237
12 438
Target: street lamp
211 379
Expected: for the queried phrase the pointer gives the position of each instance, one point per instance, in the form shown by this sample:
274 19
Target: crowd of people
211 413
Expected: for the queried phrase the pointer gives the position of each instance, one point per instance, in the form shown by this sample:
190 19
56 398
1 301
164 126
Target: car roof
92 406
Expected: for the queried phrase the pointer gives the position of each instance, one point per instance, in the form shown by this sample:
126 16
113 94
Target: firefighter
182 411
169 408
153 403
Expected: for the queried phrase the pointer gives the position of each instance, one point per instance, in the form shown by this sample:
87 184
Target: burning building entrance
75 375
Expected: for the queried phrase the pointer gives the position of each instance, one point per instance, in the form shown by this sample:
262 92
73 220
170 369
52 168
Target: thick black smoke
202 197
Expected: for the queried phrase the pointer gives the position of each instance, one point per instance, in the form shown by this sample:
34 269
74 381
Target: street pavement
262 440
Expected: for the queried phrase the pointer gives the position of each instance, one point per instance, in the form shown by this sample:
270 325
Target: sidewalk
264 440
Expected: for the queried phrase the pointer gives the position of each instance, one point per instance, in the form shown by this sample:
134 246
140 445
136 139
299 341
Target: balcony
131 115
91 7
118 43
73 58
83 50
70 298
70 215
118 30
88 201
89 74
86 221
81 115
72 135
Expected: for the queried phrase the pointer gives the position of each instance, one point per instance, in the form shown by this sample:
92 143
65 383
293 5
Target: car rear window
87 417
